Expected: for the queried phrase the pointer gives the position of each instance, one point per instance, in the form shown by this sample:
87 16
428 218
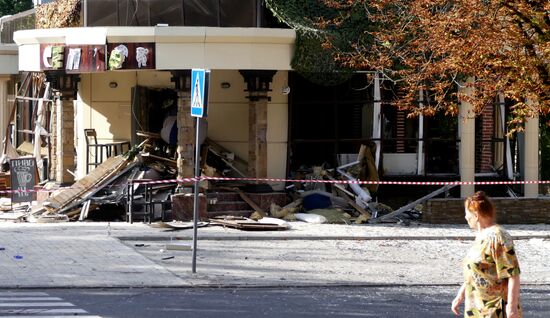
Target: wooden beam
412 204
351 202
346 195
21 91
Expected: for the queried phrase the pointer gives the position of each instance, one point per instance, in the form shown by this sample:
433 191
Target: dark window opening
154 112
441 144
215 13
327 121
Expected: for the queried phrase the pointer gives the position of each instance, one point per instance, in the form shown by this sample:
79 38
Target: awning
175 48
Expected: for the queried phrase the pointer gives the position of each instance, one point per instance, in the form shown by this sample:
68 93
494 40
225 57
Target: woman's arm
458 300
512 307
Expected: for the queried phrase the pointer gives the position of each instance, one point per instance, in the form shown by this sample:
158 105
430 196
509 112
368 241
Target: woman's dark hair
479 202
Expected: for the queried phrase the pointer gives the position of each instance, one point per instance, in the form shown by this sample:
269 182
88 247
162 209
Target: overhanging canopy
176 48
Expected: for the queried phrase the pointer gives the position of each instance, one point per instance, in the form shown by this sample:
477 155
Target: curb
316 238
252 286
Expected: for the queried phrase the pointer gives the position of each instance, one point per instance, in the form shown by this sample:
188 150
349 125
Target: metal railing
21 21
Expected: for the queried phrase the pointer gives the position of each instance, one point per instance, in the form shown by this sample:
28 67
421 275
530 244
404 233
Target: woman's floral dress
487 267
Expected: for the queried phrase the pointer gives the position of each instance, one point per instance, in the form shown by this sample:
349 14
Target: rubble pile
140 186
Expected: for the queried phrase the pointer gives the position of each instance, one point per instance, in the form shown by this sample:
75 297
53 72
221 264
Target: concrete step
227 206
223 196
245 213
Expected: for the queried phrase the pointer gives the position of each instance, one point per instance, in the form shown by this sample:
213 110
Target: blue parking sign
199 92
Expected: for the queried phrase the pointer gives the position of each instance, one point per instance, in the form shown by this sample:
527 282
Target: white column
377 118
420 150
466 125
508 151
531 164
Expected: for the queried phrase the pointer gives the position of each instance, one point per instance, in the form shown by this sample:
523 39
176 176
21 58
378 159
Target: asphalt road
415 301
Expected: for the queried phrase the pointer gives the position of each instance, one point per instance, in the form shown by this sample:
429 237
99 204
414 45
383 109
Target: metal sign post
196 197
199 100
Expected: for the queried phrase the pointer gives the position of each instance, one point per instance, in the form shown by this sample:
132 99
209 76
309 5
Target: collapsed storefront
131 85
140 101
361 111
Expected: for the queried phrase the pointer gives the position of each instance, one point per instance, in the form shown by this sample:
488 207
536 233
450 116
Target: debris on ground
246 224
310 218
177 225
334 216
178 246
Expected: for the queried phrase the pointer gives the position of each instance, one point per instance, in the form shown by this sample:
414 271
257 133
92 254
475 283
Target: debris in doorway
361 219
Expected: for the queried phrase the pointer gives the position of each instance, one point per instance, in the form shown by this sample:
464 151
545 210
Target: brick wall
509 211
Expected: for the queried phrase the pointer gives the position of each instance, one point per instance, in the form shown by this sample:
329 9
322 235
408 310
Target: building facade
259 109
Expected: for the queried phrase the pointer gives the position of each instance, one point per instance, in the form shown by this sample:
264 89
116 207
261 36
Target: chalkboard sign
23 179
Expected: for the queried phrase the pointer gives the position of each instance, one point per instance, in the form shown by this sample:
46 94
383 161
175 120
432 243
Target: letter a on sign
199 92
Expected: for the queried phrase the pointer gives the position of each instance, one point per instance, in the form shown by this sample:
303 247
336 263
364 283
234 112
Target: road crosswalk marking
36 305
30 298
57 316
25 304
20 294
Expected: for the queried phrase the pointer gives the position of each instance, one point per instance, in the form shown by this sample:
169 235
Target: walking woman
491 268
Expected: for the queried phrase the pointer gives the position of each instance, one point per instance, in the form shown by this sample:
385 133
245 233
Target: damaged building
114 78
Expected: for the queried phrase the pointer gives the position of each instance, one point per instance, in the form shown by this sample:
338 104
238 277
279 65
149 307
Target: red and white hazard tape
379 182
146 181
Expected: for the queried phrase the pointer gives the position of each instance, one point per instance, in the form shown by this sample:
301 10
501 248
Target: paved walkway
135 255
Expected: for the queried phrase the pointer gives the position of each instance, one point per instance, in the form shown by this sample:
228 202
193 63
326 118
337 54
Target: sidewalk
135 255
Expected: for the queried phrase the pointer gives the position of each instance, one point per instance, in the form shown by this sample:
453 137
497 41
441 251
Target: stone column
466 124
64 87
531 165
257 83
186 136
64 109
53 139
257 136
186 125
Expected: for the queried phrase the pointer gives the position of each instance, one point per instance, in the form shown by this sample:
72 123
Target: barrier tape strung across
380 182
140 181
420 183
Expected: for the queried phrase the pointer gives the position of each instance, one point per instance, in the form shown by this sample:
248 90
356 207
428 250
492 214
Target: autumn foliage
435 45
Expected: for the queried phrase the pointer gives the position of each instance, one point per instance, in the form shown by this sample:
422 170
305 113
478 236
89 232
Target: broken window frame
327 143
